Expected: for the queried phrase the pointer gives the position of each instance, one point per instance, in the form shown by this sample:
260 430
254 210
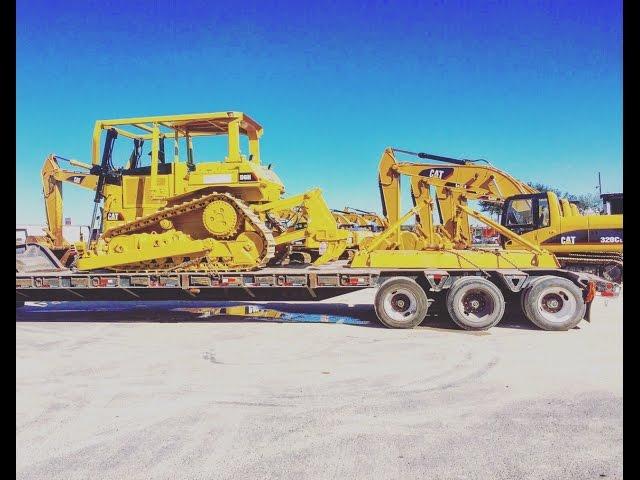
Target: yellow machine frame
448 245
457 184
134 196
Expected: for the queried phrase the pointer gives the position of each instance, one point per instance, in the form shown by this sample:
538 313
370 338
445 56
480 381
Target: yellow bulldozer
182 213
591 243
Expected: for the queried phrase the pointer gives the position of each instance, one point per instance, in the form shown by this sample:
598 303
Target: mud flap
589 295
587 312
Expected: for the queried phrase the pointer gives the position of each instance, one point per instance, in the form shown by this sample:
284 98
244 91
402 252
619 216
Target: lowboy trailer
475 299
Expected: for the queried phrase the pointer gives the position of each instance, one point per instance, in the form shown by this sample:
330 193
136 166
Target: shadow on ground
362 315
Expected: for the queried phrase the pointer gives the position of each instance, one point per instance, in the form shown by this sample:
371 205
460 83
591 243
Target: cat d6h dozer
181 214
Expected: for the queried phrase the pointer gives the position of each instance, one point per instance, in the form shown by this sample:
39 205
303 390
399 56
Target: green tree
586 203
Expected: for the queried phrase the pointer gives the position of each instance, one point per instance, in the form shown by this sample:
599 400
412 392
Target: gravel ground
147 394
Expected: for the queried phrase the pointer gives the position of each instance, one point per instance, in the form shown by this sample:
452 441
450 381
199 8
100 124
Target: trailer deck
402 299
304 283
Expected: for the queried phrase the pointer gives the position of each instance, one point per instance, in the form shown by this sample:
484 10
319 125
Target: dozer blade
320 232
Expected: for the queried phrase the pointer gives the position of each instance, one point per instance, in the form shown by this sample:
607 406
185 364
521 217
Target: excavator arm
52 179
445 187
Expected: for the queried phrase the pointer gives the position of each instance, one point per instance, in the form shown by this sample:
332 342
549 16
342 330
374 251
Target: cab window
543 213
520 212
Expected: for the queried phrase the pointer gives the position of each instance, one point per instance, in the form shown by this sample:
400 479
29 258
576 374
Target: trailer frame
286 283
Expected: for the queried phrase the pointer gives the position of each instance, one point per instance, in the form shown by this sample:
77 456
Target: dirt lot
151 393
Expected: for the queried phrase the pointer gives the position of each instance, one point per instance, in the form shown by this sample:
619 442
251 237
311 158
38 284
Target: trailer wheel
475 303
554 303
525 289
401 303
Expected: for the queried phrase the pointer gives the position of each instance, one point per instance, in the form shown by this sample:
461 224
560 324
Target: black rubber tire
524 290
400 290
567 292
493 299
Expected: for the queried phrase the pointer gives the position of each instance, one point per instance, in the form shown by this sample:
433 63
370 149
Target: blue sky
534 87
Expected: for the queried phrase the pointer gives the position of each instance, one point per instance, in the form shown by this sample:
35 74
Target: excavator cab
527 212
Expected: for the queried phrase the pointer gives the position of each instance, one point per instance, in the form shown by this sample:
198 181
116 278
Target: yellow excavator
591 243
181 214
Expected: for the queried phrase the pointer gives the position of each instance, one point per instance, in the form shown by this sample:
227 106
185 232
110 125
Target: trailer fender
438 279
514 279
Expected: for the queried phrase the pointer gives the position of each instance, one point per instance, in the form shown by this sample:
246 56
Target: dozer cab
183 213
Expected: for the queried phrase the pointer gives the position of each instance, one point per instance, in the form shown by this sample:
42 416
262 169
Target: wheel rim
557 305
476 305
400 304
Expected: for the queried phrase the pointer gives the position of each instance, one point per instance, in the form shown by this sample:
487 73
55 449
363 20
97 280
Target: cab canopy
232 124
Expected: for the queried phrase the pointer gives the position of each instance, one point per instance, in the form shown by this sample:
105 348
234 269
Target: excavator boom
585 242
453 184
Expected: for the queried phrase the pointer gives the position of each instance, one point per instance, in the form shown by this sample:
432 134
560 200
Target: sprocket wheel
221 219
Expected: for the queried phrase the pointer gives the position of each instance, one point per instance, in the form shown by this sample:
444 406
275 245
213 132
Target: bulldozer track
188 206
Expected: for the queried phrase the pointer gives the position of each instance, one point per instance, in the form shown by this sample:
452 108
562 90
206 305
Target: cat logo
569 240
113 216
435 173
76 179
